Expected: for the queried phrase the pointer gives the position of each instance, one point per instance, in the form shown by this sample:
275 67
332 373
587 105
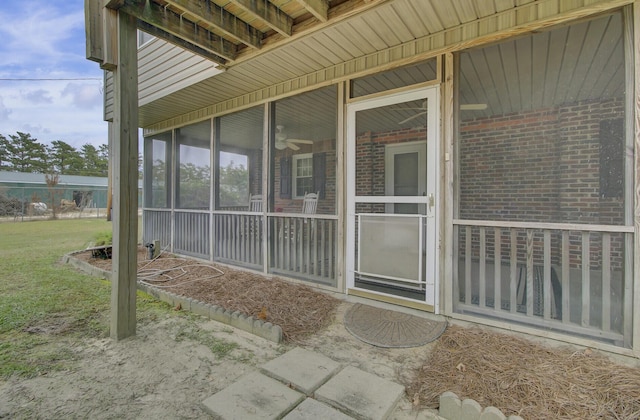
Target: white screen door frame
428 272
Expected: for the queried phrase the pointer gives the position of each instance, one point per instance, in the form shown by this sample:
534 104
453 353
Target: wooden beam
634 89
109 27
125 181
159 33
94 33
266 12
209 13
318 8
447 185
176 25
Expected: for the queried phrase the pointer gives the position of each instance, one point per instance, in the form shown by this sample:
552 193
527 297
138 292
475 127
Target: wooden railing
301 246
238 238
192 233
157 226
304 247
569 277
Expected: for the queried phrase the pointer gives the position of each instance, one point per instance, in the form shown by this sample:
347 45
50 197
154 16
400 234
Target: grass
219 347
45 306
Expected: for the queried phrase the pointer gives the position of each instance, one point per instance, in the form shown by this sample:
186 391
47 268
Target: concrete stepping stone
252 397
304 370
311 409
361 394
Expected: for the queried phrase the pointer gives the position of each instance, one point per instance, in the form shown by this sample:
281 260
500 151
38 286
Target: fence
41 202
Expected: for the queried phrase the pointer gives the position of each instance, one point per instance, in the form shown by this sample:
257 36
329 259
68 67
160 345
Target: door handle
432 201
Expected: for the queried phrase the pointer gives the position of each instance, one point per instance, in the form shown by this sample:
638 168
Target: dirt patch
299 310
513 374
177 360
165 371
523 378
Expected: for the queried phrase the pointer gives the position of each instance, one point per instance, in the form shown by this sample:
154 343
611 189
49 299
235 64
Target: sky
47 86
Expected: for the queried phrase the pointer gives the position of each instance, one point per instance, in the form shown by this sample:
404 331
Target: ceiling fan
423 109
282 141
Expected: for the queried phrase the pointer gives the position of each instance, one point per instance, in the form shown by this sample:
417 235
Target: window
302 174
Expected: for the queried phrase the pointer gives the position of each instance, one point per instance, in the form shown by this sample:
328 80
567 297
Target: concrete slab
311 409
361 394
253 397
304 370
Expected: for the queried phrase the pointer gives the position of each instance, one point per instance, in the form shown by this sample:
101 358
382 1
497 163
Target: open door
392 195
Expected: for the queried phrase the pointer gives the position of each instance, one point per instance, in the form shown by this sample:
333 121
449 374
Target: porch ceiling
264 53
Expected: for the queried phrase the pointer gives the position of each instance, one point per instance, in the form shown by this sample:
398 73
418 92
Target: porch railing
568 277
191 233
300 246
157 226
238 238
304 247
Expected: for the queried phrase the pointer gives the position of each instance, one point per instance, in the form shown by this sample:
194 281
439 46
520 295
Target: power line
49 79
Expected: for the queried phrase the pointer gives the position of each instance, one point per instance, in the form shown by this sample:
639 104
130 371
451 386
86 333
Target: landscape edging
217 313
452 408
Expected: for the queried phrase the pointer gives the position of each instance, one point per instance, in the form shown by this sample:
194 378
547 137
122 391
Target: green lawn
46 306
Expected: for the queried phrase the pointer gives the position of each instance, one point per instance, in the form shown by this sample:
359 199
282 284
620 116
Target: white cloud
45 40
83 95
39 96
34 34
4 111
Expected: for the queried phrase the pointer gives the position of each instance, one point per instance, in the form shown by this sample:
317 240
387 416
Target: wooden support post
125 181
110 171
634 81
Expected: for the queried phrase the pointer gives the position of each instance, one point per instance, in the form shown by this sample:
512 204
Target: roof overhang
271 48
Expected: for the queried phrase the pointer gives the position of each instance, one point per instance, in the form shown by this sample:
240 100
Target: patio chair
255 203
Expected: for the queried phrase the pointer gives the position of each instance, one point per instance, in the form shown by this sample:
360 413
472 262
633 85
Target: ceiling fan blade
412 117
292 146
300 141
473 107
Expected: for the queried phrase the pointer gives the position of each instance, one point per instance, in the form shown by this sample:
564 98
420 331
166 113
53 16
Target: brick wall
540 166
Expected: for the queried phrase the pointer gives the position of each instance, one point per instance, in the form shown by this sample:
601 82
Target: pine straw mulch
521 377
298 309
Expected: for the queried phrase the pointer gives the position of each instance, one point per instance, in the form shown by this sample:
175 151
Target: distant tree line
23 153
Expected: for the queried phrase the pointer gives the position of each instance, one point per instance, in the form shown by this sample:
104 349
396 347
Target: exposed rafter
159 33
209 13
318 8
266 12
178 26
220 33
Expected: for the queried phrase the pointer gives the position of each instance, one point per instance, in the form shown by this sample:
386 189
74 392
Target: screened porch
542 230
255 188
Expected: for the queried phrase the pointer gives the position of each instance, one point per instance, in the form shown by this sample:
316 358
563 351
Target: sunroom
483 167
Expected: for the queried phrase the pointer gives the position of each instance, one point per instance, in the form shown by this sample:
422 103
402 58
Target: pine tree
94 164
4 154
26 154
64 158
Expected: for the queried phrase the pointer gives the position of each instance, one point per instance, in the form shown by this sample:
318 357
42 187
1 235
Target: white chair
255 203
310 203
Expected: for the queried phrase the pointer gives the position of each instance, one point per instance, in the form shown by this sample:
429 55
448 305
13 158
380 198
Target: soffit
354 29
314 46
